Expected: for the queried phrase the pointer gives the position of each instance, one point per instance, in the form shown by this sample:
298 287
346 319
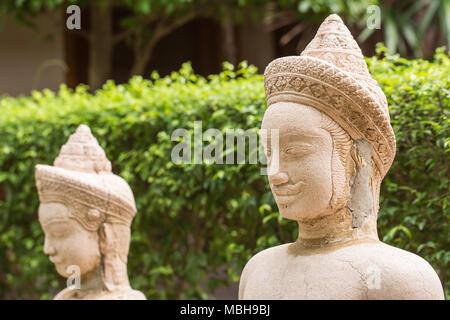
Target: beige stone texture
335 146
86 213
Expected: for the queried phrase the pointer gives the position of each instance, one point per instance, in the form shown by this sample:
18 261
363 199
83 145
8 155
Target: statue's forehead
293 119
52 212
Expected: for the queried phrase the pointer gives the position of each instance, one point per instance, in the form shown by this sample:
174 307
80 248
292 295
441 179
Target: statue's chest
304 278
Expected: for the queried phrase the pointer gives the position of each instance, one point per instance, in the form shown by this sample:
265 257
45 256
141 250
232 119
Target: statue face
301 181
66 241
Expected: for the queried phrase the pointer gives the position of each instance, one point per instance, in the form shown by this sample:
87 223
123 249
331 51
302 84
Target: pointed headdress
332 76
81 178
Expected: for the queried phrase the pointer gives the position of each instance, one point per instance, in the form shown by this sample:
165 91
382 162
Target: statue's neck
91 284
332 230
92 280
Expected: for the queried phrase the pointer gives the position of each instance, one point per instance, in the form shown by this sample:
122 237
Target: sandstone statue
335 144
86 213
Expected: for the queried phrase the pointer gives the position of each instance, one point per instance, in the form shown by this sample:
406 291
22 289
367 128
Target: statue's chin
61 269
291 212
297 211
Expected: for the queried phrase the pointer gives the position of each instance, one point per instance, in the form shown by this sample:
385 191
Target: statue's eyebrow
54 220
298 135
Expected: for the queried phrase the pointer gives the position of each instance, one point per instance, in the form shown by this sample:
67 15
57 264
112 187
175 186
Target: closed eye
300 149
57 234
289 150
57 230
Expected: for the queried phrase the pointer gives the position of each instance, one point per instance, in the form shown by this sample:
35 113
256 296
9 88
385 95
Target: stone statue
86 213
335 146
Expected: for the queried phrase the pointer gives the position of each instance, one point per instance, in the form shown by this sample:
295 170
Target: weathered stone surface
335 146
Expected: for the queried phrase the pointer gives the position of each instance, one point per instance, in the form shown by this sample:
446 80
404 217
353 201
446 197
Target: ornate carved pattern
338 85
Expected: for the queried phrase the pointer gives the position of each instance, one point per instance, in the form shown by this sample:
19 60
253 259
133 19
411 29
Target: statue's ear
106 236
114 268
356 157
107 249
339 181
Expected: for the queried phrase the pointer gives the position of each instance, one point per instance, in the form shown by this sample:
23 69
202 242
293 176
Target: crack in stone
365 289
306 282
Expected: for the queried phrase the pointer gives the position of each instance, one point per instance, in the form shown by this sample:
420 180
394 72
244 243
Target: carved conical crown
335 44
83 153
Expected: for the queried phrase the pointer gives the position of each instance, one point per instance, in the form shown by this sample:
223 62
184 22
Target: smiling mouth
287 194
286 199
55 261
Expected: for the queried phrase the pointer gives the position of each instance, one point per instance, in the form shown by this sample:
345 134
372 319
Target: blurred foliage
23 10
301 18
196 222
405 24
348 8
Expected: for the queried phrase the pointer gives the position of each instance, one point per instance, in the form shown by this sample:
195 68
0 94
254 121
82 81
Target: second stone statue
86 213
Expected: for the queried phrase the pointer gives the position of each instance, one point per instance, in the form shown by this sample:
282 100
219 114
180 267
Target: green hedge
195 221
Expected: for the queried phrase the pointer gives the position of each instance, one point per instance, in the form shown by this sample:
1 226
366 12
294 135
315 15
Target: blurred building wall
32 59
256 45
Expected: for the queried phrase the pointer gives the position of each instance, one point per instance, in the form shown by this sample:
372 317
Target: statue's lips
285 194
286 199
55 260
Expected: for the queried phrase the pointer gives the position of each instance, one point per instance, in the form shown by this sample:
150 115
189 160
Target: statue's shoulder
135 295
260 262
65 294
405 275
271 254
128 294
69 293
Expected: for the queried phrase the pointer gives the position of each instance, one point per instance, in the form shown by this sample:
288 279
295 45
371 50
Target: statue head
335 138
86 211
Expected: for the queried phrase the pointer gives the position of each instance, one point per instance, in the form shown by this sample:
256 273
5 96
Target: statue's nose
48 248
278 178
